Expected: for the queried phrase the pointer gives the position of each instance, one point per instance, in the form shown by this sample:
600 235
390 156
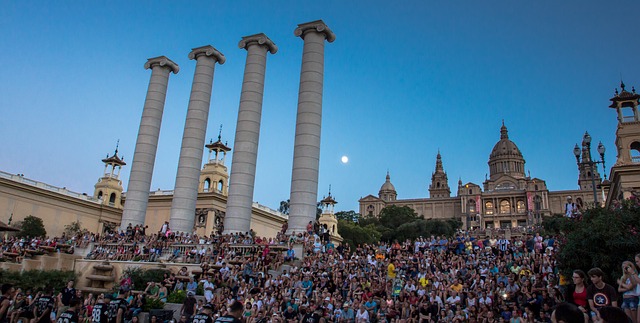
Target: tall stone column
243 166
185 194
306 151
135 207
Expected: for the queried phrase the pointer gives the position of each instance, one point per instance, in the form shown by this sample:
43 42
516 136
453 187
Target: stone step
104 267
101 278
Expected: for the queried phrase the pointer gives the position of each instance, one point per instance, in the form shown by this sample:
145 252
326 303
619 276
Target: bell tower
625 173
214 176
109 187
628 132
328 217
439 182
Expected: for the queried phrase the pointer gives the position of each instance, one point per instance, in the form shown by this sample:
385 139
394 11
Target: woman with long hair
627 286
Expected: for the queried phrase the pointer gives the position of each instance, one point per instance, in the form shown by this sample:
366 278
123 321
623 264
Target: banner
530 201
478 205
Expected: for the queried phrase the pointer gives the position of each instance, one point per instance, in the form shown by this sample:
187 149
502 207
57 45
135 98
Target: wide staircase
102 278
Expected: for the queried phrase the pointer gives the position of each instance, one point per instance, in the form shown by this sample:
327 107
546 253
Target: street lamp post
590 162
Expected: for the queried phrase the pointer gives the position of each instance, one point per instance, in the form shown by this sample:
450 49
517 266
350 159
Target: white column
306 151
137 197
243 166
185 194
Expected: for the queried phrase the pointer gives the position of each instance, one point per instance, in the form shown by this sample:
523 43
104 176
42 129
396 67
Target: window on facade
100 194
112 198
472 206
207 185
505 207
520 206
488 207
220 185
537 202
470 191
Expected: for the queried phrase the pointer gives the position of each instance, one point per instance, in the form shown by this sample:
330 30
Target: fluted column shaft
185 194
137 197
306 151
243 166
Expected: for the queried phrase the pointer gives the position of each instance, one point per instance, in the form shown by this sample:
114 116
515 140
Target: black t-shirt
3 318
100 313
189 305
114 306
201 318
311 318
68 317
67 295
44 304
227 319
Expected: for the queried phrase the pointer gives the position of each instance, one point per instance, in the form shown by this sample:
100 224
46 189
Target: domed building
507 198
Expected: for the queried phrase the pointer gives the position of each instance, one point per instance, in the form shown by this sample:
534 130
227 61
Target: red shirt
580 298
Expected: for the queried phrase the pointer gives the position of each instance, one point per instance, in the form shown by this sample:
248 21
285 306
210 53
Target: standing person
71 314
100 312
65 296
45 303
628 286
118 307
234 315
189 306
577 292
600 294
5 301
204 316
637 281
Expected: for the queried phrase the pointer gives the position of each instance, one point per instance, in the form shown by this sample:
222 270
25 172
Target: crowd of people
432 279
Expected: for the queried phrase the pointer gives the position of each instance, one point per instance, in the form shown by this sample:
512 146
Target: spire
459 181
388 177
503 131
220 134
439 168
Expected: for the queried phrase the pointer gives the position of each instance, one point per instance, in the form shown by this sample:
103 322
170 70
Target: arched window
471 206
520 206
112 198
635 152
207 184
220 185
470 191
438 184
505 207
99 194
488 207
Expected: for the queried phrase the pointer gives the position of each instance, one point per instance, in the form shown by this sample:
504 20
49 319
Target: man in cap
189 306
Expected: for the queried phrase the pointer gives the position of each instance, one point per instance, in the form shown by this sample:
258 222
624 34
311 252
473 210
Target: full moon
344 159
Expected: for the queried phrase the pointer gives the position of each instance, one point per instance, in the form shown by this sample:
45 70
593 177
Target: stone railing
64 191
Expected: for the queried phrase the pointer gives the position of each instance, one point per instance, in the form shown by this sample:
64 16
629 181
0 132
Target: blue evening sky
402 80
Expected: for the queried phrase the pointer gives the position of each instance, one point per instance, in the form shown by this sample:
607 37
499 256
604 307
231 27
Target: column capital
207 50
261 39
163 61
318 26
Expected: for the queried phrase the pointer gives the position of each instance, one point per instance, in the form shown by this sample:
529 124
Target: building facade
507 198
58 207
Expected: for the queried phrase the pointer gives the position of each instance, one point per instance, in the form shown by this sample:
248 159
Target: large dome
506 157
505 147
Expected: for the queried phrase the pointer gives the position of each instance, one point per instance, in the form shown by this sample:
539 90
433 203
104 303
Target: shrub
152 304
177 296
37 279
140 277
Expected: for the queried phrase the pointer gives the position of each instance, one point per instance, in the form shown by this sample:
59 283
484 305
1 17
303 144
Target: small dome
387 186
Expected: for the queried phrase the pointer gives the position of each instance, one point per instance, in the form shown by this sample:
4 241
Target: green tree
600 238
73 228
355 234
32 226
348 216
